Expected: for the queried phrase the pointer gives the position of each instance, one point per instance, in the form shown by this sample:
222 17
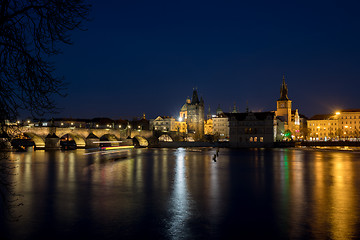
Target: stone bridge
49 137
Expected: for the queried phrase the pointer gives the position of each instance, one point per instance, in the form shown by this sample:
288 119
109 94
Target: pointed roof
283 90
219 110
195 98
234 108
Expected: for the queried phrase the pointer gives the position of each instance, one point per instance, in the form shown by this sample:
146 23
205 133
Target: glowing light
72 123
116 147
180 119
337 113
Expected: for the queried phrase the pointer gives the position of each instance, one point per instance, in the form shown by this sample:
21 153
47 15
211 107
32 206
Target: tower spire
195 98
283 90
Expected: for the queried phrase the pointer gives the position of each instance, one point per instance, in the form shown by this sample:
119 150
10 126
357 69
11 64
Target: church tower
284 104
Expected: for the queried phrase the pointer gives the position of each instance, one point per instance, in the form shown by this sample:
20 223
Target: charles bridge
50 137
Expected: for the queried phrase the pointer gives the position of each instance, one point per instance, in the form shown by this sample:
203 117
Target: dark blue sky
146 56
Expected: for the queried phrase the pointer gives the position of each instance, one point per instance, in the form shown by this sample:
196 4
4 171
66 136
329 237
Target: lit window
261 139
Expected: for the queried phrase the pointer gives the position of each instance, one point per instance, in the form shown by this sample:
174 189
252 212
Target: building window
255 139
251 139
261 139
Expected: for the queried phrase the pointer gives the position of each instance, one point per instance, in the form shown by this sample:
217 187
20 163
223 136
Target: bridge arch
22 141
39 142
109 137
165 138
140 141
78 139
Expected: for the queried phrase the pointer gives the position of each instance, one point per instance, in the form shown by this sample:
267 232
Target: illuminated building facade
209 127
221 126
181 126
349 124
343 125
163 124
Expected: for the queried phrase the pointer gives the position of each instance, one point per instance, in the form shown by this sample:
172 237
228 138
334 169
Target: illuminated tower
195 116
284 104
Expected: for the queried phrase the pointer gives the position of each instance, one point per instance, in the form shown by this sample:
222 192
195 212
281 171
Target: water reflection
179 199
183 194
344 198
320 193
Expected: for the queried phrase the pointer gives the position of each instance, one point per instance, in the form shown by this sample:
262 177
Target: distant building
259 129
221 126
163 124
343 125
323 127
349 124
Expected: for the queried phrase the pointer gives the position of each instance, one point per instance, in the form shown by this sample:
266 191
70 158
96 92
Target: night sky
147 56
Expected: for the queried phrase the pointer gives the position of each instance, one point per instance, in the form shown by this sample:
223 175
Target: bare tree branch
30 33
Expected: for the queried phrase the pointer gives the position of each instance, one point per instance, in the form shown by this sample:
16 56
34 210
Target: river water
184 194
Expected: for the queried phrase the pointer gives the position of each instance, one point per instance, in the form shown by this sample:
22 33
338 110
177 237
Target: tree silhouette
31 33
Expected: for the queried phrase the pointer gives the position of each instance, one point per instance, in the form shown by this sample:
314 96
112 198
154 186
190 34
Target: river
185 194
